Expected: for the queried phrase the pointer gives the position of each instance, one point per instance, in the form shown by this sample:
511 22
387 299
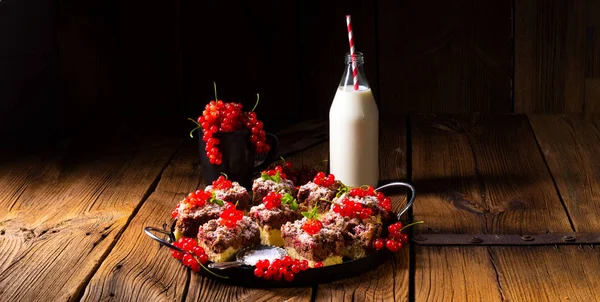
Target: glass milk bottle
354 130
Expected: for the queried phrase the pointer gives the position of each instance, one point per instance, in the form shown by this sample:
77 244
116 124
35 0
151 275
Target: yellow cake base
226 255
178 234
331 260
270 237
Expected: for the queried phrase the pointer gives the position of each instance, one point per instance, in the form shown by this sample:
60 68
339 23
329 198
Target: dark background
90 66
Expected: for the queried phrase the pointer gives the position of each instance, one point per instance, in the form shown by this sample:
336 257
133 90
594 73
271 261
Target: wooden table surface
71 220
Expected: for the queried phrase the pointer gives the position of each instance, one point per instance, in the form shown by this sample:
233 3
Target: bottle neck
354 77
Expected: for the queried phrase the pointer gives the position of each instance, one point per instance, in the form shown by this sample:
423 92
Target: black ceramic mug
239 157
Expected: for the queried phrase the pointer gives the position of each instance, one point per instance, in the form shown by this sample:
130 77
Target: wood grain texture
569 273
322 46
592 96
483 174
571 147
444 57
478 174
389 281
138 268
454 274
592 41
66 219
550 48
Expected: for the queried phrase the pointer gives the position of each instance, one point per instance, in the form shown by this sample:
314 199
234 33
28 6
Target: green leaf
214 199
290 200
313 214
265 176
277 177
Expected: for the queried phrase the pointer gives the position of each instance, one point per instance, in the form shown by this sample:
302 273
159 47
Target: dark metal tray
244 275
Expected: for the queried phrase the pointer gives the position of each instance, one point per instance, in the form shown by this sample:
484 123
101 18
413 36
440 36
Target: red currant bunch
285 268
325 181
219 116
274 174
312 226
272 200
352 209
396 239
362 192
222 183
198 198
194 255
384 202
258 136
230 216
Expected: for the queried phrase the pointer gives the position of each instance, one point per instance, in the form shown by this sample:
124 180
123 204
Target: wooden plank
67 219
138 268
163 277
389 281
592 96
571 147
568 273
267 30
487 173
479 174
320 63
454 274
206 289
549 55
445 57
592 41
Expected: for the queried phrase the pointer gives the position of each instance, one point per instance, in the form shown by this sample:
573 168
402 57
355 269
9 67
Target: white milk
354 137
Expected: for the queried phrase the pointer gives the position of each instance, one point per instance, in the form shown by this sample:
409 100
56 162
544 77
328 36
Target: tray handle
413 193
149 231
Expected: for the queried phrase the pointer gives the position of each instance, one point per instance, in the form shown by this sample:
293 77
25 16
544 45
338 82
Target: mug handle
411 200
270 155
148 230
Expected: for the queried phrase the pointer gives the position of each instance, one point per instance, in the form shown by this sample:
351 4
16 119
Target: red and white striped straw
351 39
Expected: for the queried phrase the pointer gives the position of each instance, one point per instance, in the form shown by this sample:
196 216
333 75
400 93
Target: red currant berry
295 268
203 258
378 244
289 276
391 245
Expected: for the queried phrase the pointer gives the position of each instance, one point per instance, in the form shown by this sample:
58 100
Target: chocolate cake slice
261 187
191 214
235 194
324 246
372 202
359 234
312 193
221 243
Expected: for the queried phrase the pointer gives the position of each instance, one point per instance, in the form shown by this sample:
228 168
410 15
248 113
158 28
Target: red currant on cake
324 180
230 216
312 226
222 183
